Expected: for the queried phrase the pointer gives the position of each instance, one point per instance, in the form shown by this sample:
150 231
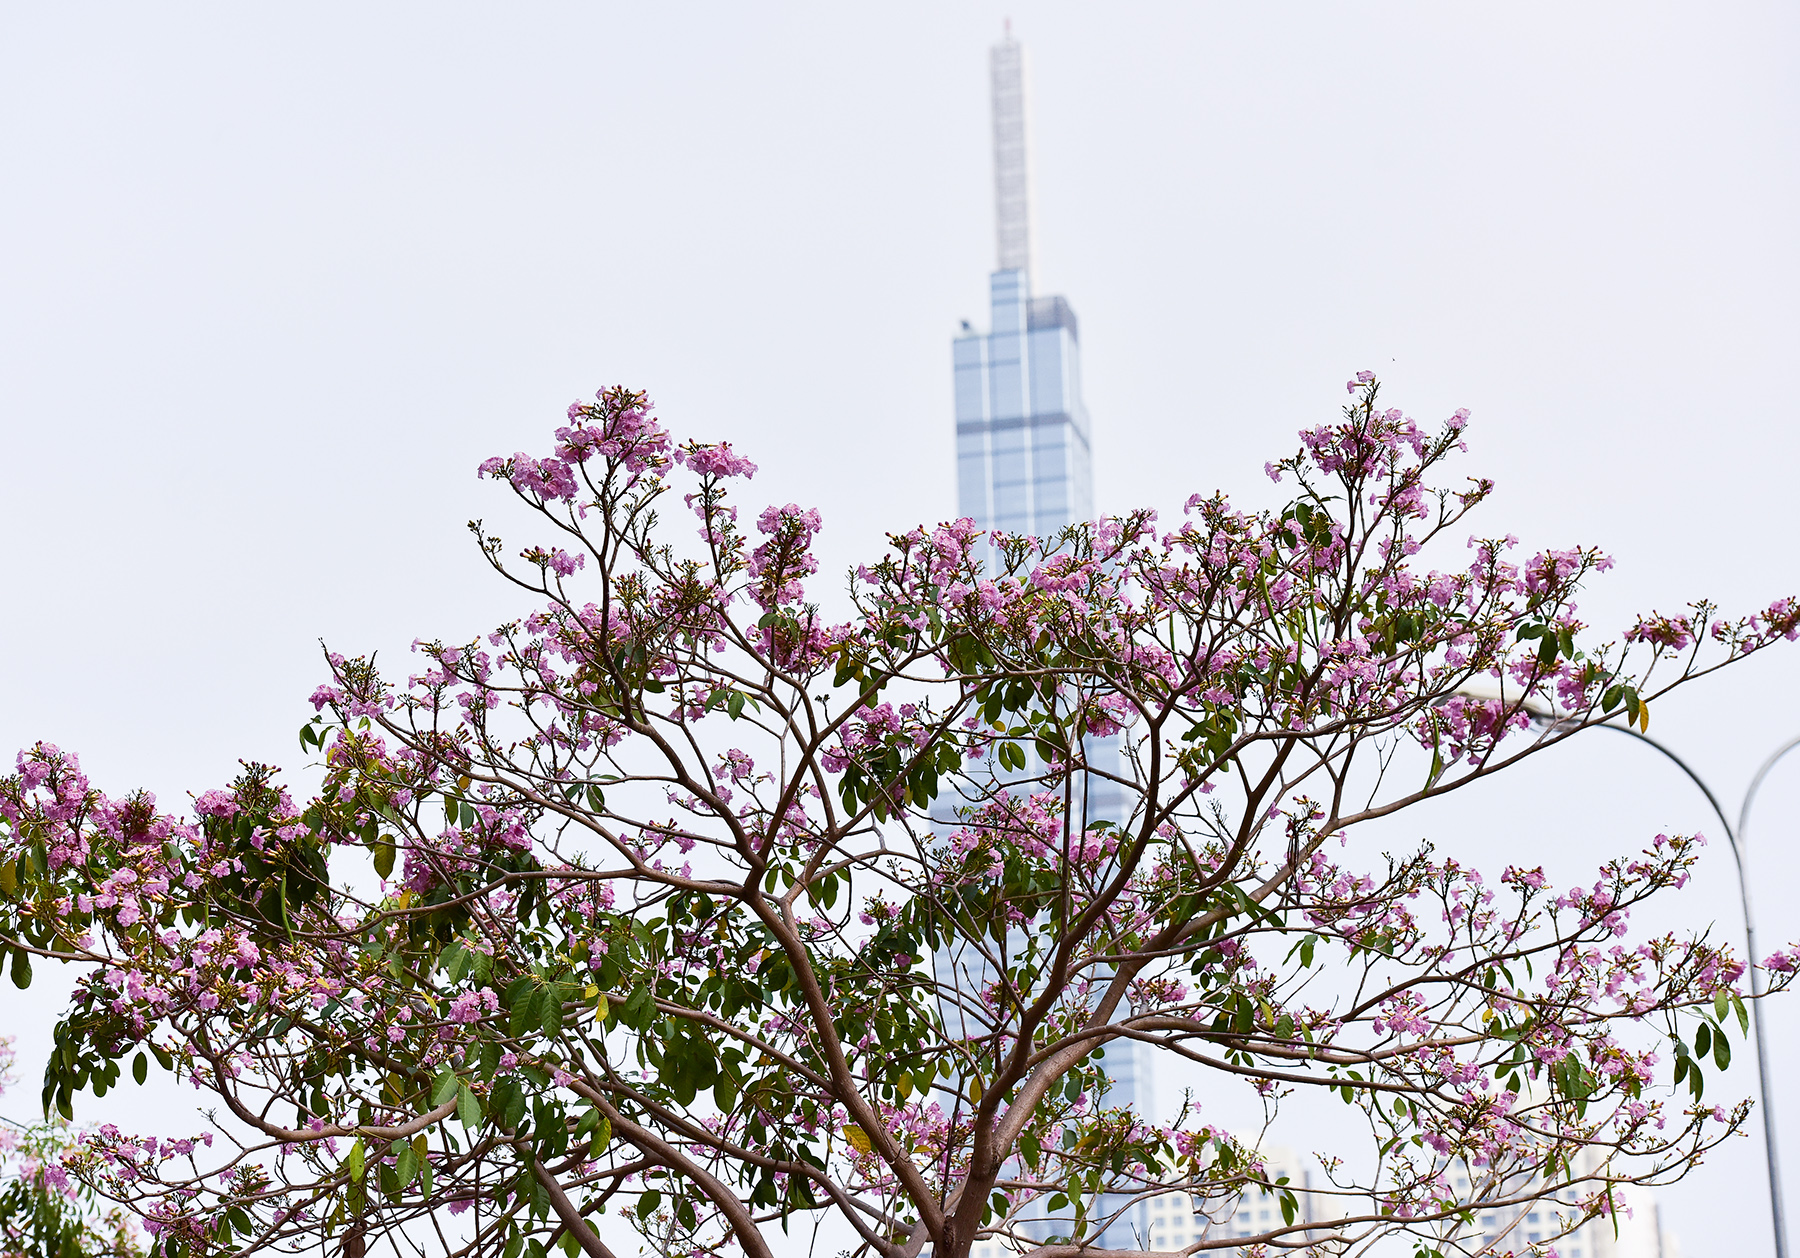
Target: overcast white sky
273 279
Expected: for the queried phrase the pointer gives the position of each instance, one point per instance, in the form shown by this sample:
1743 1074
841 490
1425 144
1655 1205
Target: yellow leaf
1644 715
975 1089
858 1138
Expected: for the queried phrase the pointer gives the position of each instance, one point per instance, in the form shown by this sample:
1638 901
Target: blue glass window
1047 386
971 393
1010 504
1006 382
971 487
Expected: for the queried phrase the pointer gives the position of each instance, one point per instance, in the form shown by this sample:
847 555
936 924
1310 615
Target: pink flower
715 460
216 804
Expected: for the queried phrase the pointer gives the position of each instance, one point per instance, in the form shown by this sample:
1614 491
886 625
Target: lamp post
1550 720
1738 836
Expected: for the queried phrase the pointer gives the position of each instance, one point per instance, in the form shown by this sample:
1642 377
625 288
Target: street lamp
1551 720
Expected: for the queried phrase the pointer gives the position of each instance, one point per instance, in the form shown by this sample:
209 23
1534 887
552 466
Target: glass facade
1024 464
1023 460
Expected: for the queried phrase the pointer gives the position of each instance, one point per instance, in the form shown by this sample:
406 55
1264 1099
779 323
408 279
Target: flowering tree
674 906
43 1212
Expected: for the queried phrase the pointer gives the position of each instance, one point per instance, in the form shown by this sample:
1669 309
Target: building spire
1012 175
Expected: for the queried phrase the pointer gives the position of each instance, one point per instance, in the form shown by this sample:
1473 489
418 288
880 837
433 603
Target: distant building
1025 465
1023 457
1024 462
1636 1231
1173 1222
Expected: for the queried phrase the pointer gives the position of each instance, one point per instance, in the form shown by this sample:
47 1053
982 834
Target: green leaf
384 859
1031 1150
515 1109
446 1088
1703 1040
354 1162
639 1009
648 1202
1721 1004
1722 1052
140 1068
21 969
468 1106
520 1014
449 957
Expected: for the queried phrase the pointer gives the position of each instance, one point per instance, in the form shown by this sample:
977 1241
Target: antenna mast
1012 175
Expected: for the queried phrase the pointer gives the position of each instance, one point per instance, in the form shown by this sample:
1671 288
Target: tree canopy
44 1212
678 907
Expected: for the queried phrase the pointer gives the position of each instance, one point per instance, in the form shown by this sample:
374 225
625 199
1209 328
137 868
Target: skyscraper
1022 446
1023 455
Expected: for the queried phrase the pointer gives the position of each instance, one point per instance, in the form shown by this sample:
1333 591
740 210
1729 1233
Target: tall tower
1012 166
1024 465
1022 457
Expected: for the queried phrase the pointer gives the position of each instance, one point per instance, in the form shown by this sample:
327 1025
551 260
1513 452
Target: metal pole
1736 837
1762 1053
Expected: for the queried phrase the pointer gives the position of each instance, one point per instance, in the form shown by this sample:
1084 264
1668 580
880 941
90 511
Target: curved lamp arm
1731 832
1756 785
1738 837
